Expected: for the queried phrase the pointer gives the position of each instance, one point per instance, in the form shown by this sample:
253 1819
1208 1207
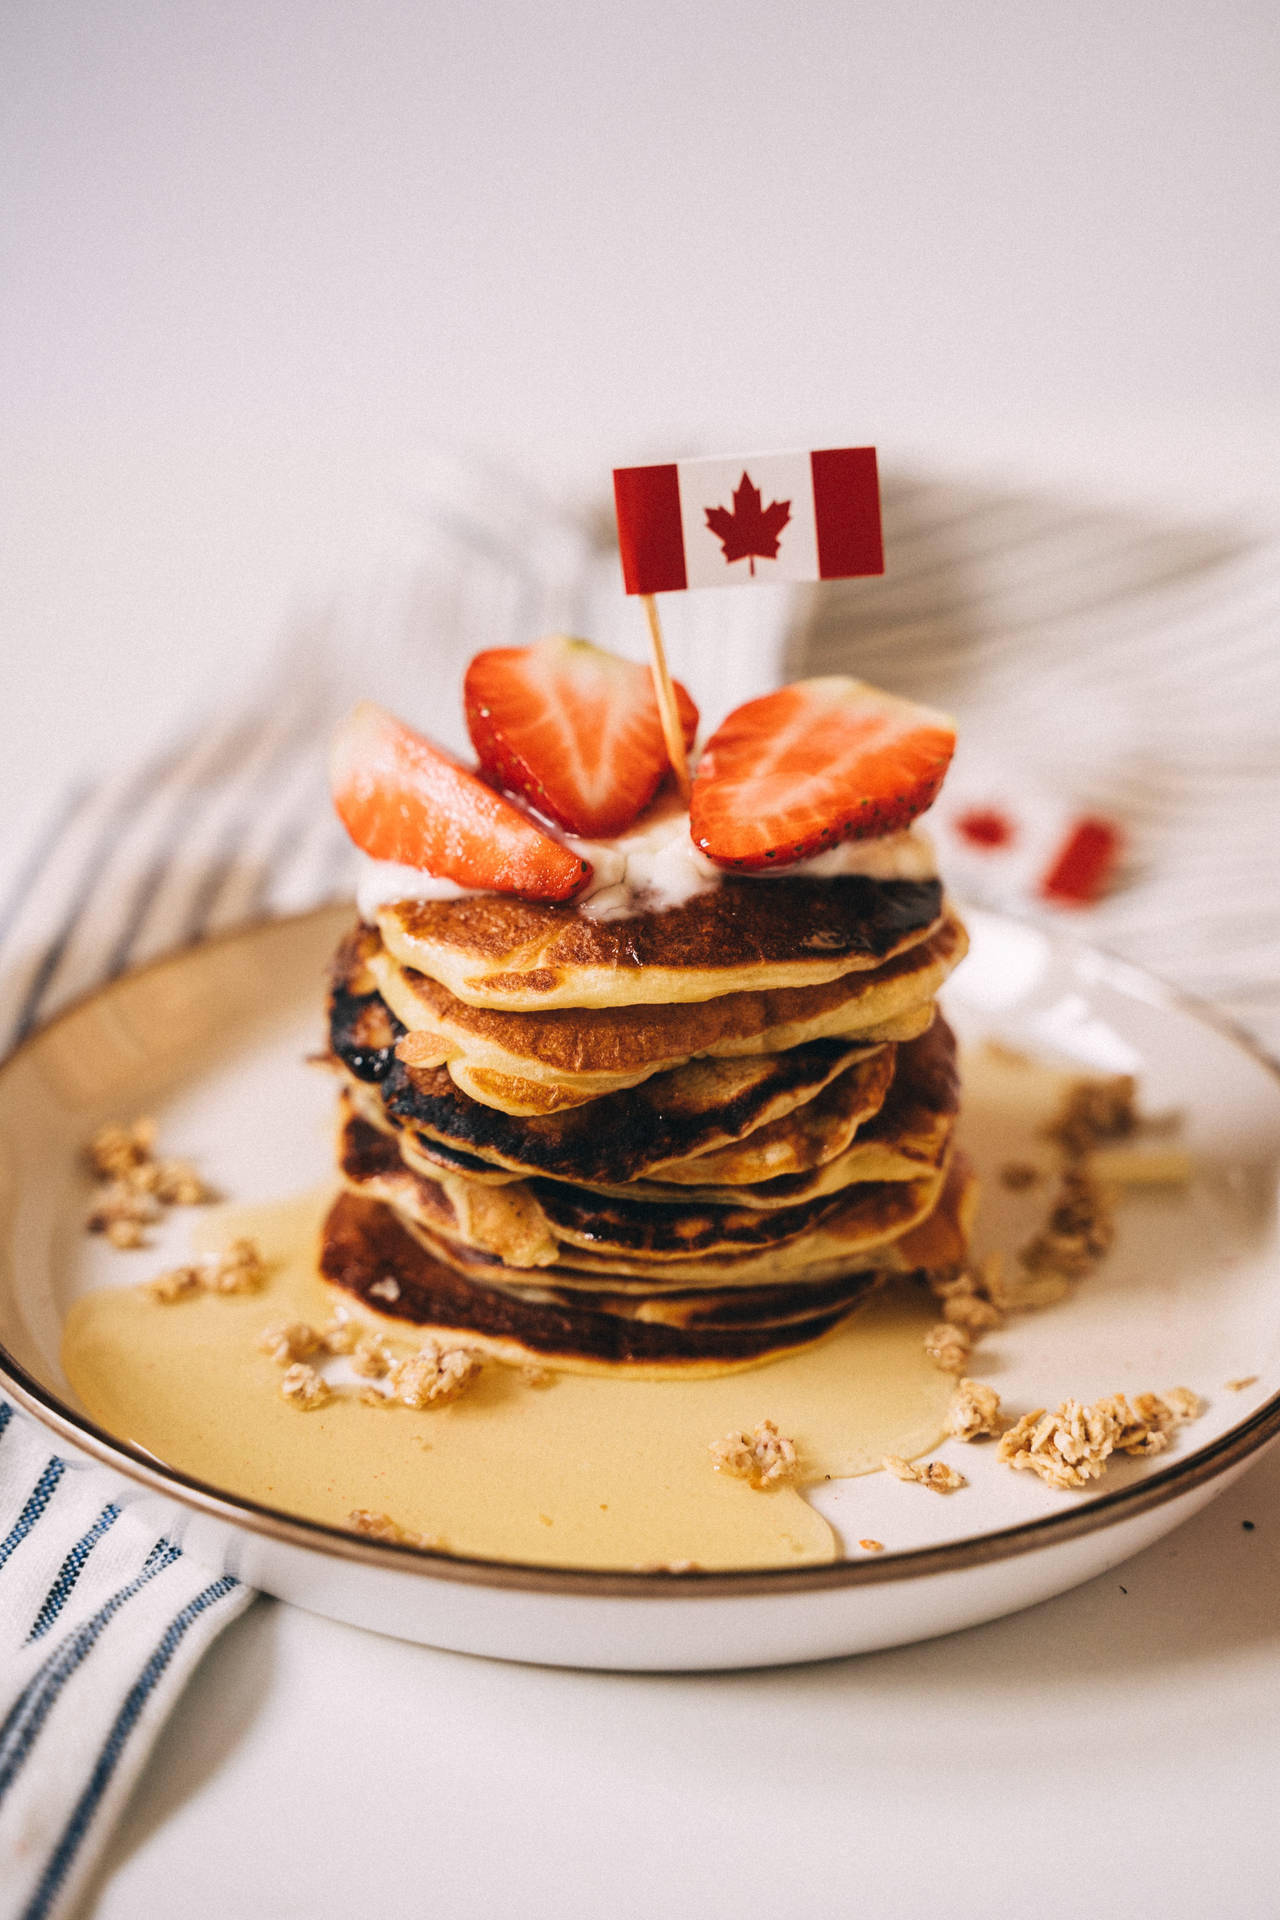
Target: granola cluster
287 1341
133 1185
428 1377
974 1412
764 1457
1072 1445
239 1268
973 1303
948 1347
433 1375
1094 1110
1078 1232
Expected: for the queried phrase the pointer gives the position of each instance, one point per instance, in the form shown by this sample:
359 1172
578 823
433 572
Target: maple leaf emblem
752 530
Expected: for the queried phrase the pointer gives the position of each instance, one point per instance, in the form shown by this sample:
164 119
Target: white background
256 255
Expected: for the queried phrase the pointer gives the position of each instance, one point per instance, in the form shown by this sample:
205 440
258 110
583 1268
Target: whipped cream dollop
654 866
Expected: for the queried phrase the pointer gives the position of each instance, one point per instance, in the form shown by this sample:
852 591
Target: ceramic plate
213 1042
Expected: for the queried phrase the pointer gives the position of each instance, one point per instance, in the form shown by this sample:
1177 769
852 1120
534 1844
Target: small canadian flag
754 517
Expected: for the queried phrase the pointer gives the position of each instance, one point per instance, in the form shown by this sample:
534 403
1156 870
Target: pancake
532 1222
780 1162
903 1142
703 1105
741 935
581 1056
851 1230
504 1221
363 1244
524 1098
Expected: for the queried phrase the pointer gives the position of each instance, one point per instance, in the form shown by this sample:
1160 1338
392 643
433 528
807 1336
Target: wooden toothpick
672 731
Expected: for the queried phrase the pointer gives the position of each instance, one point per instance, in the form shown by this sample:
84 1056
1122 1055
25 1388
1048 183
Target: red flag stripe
650 537
846 508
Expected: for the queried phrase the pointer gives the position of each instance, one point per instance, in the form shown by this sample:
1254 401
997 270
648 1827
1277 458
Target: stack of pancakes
680 1141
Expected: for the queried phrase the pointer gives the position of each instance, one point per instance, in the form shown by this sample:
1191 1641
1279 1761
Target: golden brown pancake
581 1056
681 1335
742 935
703 1105
533 1222
504 1221
857 1231
813 1148
363 1245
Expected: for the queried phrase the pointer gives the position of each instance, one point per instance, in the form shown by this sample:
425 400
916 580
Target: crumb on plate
380 1526
934 1474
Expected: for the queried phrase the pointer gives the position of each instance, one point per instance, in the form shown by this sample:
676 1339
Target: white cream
655 865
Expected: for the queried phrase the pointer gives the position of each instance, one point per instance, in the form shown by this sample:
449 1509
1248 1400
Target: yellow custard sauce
588 1470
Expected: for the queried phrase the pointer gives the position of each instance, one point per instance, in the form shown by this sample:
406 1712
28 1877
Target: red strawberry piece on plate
571 729
814 764
1081 870
403 798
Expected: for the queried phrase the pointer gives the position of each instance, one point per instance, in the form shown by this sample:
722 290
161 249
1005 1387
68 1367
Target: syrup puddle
587 1471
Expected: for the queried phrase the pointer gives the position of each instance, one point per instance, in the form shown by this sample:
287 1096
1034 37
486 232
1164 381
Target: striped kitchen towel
1114 663
102 1623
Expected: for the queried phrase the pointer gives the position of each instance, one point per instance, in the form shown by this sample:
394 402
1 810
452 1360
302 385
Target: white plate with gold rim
213 1042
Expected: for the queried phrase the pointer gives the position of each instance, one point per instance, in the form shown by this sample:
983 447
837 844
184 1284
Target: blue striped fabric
102 1622
1011 610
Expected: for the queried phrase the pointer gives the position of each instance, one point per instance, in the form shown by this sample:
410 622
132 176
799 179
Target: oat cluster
934 1474
763 1458
972 1304
1095 1110
1018 1175
426 1378
433 1375
302 1386
974 1412
1078 1232
239 1268
134 1185
948 1347
289 1340
1072 1445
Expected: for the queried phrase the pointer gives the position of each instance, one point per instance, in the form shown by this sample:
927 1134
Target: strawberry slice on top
812 765
572 730
403 798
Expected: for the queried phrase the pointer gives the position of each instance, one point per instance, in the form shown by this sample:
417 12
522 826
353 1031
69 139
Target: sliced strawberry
402 798
814 764
571 729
